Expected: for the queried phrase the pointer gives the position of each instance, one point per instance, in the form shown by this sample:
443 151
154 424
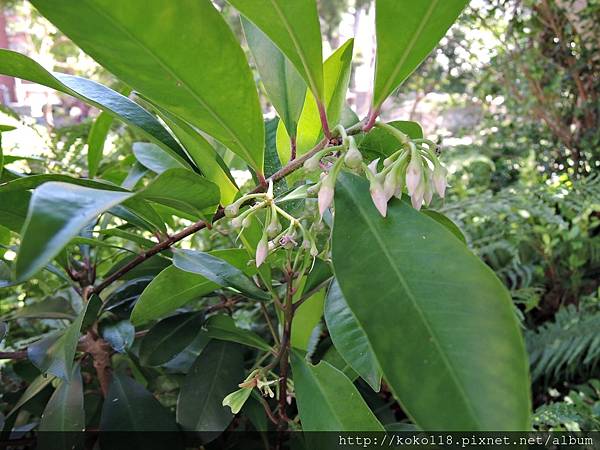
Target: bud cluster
273 236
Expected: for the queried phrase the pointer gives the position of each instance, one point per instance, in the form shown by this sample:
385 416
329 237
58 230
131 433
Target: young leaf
218 271
204 78
407 32
57 213
20 66
434 324
64 412
223 327
327 399
215 374
349 338
96 140
294 28
281 80
337 70
131 408
174 287
169 337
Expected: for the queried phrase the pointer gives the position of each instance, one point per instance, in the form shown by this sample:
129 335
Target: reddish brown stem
293 148
373 114
324 121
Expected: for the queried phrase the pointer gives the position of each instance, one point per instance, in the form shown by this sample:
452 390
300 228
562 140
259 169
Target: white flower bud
312 163
262 250
414 174
274 228
379 198
373 166
428 194
326 193
247 222
390 184
232 210
353 157
236 222
439 179
417 196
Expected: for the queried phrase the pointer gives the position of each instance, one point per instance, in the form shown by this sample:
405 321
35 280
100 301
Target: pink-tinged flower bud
373 166
428 194
262 250
439 179
417 196
326 193
414 174
379 198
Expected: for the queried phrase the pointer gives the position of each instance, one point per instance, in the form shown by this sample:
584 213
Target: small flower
287 241
414 174
439 179
262 250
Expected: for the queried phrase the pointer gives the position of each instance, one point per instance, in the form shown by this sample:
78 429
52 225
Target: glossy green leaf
214 375
407 32
218 271
173 287
283 84
440 323
49 308
119 335
34 388
182 189
150 156
34 181
131 408
380 143
169 337
203 78
13 209
337 69
55 353
445 221
57 213
20 66
205 156
224 328
64 412
349 338
306 318
327 399
96 140
294 28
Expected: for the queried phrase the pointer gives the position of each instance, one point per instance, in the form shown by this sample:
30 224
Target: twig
21 354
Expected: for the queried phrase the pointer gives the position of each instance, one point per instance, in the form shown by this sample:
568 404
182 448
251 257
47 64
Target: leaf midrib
389 83
172 73
434 339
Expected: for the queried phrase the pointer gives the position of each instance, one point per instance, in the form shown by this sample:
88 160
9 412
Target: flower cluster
414 166
273 236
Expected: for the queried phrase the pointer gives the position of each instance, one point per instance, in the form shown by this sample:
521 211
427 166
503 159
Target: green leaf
119 335
3 331
205 156
64 412
406 33
237 399
440 323
55 353
34 388
204 78
13 209
169 337
306 318
327 399
183 190
150 156
49 308
57 213
445 221
20 66
223 327
215 373
173 287
380 143
131 408
337 70
281 80
96 140
218 271
294 28
349 338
